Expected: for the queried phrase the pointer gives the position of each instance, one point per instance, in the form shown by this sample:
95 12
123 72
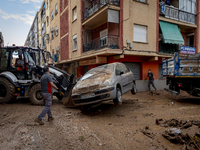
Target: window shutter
140 33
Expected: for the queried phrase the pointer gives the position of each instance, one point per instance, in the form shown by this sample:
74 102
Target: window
75 42
47 20
140 33
3 59
126 70
43 12
104 38
43 28
52 15
74 13
144 1
118 70
56 9
56 30
47 3
52 35
43 43
190 39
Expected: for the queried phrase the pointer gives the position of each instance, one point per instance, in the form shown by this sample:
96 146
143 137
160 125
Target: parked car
104 83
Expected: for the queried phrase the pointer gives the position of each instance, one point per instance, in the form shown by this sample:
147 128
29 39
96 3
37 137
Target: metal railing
96 5
109 41
177 14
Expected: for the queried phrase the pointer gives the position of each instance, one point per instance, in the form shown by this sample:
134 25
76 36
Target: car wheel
118 99
134 90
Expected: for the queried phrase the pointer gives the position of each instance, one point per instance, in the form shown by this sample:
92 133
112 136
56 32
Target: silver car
106 82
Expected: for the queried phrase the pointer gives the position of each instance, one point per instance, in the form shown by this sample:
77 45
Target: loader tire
68 101
7 91
36 95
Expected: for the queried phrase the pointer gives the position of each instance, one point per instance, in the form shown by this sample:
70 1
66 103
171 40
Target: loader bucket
67 97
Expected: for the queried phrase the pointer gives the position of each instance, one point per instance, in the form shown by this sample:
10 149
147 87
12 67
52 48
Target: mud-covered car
106 82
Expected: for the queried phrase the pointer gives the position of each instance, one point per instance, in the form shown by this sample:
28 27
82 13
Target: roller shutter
135 68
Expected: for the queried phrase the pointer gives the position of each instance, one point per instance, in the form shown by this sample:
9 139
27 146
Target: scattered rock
147 131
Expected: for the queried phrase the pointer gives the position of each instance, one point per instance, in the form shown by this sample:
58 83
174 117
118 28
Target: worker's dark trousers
47 109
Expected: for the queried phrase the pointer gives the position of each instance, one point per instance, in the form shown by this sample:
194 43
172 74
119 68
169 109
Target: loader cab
20 60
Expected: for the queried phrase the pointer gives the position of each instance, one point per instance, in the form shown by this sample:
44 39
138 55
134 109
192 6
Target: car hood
92 82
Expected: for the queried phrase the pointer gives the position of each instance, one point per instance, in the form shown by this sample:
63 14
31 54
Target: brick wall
64 29
184 35
64 44
113 30
64 23
63 5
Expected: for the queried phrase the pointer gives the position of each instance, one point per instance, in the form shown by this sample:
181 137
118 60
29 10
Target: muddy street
108 127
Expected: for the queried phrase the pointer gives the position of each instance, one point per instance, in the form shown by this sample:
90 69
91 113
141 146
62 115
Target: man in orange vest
19 63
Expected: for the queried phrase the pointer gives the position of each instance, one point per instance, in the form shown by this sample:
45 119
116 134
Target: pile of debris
182 132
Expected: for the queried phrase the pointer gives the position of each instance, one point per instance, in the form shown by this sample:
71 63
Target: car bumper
100 95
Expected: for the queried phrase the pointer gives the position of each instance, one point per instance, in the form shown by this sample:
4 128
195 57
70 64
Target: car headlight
74 90
106 83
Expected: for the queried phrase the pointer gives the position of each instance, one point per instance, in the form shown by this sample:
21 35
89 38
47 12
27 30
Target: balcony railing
96 5
180 15
109 41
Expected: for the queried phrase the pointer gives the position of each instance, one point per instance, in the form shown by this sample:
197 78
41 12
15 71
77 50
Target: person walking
151 79
46 89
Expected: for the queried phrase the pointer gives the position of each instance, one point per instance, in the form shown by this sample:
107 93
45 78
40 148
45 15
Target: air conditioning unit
57 48
52 29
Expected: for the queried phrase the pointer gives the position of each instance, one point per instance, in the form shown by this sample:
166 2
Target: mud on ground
108 127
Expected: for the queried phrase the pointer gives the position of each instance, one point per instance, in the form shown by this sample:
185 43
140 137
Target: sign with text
97 60
187 50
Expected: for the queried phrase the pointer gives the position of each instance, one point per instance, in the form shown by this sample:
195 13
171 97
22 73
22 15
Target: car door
129 76
121 77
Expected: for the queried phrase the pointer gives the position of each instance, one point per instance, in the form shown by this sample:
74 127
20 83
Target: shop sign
98 60
187 50
101 60
87 62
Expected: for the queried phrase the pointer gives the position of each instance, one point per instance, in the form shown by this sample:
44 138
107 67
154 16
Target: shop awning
171 33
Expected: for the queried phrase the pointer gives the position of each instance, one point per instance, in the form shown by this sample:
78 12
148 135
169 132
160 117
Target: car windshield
108 68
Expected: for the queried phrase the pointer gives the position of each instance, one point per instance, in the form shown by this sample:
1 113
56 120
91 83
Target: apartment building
83 34
138 33
1 39
54 37
44 26
32 39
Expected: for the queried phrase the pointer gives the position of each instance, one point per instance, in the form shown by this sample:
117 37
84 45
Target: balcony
98 12
177 14
109 41
96 5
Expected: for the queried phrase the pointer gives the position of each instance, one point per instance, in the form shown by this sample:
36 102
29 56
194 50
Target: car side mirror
121 73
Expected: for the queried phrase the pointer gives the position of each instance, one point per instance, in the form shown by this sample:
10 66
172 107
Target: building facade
32 39
138 33
54 37
44 26
134 32
1 39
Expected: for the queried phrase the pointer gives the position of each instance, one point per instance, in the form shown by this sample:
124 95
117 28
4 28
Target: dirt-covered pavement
107 127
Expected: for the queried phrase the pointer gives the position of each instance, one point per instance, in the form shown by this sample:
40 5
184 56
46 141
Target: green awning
171 33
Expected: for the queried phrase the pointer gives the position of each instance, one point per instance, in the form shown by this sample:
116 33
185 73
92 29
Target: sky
16 18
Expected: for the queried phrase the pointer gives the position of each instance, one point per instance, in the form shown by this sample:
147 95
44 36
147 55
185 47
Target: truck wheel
7 91
118 100
134 90
36 95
